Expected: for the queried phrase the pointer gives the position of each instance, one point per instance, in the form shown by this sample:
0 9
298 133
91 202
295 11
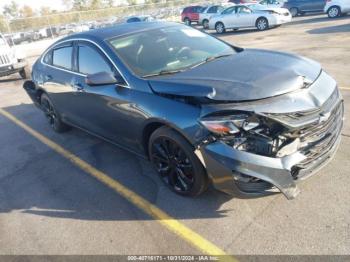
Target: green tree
3 25
80 5
95 4
11 10
108 3
132 2
45 10
26 11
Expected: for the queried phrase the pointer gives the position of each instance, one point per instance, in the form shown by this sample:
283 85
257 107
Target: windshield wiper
164 72
209 59
169 72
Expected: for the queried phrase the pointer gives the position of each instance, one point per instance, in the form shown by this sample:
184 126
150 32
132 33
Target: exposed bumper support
223 161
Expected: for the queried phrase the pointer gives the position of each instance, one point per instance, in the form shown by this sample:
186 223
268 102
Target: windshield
168 50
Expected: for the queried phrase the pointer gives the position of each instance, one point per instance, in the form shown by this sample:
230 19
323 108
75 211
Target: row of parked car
236 14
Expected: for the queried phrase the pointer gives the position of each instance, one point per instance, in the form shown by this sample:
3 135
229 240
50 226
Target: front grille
299 119
4 60
321 138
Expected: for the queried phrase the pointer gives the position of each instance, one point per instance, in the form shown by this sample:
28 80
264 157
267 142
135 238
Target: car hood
248 75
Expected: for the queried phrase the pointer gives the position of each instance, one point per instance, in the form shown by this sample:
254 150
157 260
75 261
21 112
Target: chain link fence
31 29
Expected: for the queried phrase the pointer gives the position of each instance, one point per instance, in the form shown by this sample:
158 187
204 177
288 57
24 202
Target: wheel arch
154 124
338 6
33 91
261 17
219 22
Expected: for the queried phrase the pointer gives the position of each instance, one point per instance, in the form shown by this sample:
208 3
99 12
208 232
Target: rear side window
197 9
48 58
90 61
186 10
62 57
213 10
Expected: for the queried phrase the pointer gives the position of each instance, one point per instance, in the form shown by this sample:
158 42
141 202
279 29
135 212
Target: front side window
62 57
243 10
229 10
167 49
91 61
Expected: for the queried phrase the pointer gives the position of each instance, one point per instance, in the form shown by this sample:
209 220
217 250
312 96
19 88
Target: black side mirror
101 78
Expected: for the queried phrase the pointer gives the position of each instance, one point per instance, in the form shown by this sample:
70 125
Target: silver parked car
207 13
243 16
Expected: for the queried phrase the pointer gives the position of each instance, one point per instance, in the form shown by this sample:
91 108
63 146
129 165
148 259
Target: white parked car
242 16
208 12
12 62
335 8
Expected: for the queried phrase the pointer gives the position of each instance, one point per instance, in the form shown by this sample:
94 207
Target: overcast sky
36 4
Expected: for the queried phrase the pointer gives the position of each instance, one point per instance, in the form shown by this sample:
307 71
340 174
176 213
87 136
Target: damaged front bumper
224 164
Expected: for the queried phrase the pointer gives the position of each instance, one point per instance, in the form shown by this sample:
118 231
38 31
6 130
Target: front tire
333 12
176 163
220 28
52 116
294 11
262 24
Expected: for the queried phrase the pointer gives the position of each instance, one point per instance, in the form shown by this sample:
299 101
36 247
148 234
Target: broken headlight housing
246 132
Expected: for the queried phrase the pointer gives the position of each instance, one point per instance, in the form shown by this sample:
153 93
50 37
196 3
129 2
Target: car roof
120 30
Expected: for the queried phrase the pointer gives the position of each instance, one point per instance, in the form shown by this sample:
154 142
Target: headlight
246 132
230 125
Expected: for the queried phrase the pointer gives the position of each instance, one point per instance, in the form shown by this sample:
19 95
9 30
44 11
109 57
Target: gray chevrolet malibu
248 121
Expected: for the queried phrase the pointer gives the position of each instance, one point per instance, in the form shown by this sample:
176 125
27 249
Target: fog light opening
249 184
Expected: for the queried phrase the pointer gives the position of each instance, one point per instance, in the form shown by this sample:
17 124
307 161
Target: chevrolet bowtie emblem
324 117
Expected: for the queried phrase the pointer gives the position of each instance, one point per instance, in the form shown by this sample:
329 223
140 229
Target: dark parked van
300 7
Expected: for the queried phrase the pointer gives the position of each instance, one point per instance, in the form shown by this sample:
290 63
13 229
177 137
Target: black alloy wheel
176 163
52 117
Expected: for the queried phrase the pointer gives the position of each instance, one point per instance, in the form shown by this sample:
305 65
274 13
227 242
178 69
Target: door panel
105 109
57 78
244 17
229 17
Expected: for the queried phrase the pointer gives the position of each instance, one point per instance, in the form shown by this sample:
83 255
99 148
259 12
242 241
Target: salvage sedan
249 16
247 121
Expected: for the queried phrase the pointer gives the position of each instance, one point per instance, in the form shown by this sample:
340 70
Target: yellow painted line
163 218
344 88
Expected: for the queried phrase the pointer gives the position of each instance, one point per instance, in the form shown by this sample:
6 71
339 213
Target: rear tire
187 21
294 11
175 161
262 24
205 24
333 12
52 116
220 28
